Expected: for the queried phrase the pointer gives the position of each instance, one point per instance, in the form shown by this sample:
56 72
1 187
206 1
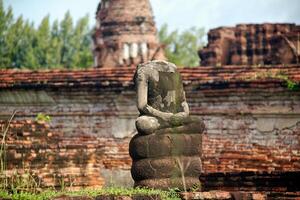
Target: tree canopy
58 45
182 48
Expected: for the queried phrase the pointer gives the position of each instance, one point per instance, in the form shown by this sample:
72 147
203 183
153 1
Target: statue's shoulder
156 65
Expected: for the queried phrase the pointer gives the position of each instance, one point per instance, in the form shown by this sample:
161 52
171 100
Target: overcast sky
178 14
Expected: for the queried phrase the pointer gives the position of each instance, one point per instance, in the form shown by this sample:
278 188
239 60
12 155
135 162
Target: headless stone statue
166 151
161 100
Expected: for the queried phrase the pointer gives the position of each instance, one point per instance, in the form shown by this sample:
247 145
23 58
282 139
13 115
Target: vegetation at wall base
113 191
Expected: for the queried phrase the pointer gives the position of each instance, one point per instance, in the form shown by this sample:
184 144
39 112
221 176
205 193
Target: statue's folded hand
181 115
178 118
166 116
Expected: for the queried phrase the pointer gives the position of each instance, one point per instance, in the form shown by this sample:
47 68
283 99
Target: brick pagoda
125 34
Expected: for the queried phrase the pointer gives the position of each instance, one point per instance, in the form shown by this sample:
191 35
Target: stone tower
125 34
252 44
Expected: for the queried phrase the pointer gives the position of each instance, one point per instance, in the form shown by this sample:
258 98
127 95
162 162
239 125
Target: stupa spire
125 34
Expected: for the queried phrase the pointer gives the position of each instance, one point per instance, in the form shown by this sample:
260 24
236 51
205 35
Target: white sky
178 14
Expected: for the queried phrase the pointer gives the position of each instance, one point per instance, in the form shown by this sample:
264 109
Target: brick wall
251 126
55 159
85 143
250 130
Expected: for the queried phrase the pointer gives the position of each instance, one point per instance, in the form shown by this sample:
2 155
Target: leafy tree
30 59
43 39
6 19
56 46
15 42
82 43
19 50
182 48
66 33
16 38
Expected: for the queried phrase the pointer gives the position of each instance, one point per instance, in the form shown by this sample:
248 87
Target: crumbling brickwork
252 44
125 34
250 131
252 120
55 159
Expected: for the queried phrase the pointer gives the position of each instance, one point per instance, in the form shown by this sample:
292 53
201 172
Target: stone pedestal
167 160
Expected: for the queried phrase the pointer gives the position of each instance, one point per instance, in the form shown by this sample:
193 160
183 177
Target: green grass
45 195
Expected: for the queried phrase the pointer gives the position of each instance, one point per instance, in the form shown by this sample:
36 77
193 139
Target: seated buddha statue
161 101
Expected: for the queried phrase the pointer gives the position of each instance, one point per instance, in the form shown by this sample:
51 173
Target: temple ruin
252 44
251 110
125 34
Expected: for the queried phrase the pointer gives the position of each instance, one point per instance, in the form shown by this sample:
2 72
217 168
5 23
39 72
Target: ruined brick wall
250 130
218 50
125 34
55 160
84 144
252 119
252 44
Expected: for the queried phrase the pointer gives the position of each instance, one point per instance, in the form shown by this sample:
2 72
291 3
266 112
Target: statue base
164 160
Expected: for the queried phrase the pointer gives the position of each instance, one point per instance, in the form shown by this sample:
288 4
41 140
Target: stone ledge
252 181
238 195
211 195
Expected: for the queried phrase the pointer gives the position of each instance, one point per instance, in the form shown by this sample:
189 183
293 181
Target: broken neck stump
166 151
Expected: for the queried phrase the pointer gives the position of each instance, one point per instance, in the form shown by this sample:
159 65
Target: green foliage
42 41
23 182
76 49
6 19
196 188
43 118
182 48
60 45
66 27
173 193
291 85
281 75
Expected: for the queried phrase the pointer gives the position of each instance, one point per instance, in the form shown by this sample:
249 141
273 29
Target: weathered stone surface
164 151
213 195
110 197
167 183
168 167
252 44
154 146
238 195
116 177
64 197
161 101
125 34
